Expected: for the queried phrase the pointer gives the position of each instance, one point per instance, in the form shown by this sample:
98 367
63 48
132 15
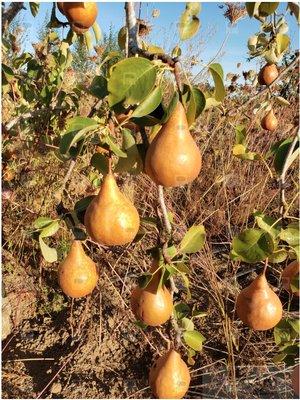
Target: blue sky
164 33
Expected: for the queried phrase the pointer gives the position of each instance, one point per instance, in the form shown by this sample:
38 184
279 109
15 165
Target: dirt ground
91 348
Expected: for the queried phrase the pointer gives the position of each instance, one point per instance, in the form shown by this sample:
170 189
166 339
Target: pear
111 219
152 305
77 274
268 74
295 380
81 15
269 121
169 376
288 274
77 29
173 158
258 306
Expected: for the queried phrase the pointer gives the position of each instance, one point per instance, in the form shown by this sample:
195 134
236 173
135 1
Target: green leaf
186 283
34 7
278 358
131 81
240 151
181 310
49 254
152 49
217 73
283 42
193 7
150 103
187 324
252 8
98 87
140 324
100 162
282 332
78 123
97 32
267 224
82 204
144 280
278 256
50 229
195 103
42 222
240 135
295 323
122 37
252 245
114 147
194 339
286 331
280 150
291 234
188 26
88 40
176 52
193 240
295 284
170 108
282 101
198 314
76 130
266 8
133 163
7 72
191 354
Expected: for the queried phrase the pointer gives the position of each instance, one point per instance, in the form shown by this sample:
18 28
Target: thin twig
215 56
30 114
287 69
10 13
66 178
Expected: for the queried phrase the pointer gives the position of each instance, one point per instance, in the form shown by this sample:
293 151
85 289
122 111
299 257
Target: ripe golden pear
81 15
295 380
173 158
169 377
77 274
268 74
258 306
152 305
288 274
111 219
269 121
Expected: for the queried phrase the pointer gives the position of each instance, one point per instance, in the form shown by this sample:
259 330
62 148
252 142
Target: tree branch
287 69
30 114
163 207
133 41
10 13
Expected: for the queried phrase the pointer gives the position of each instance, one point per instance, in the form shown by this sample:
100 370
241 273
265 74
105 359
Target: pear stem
266 266
178 79
109 164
